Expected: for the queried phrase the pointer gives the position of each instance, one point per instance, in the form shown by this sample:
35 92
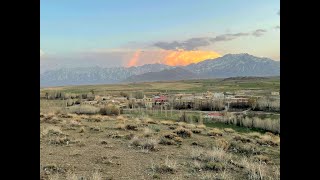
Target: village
213 102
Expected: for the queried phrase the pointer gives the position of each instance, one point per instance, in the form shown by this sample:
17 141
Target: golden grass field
119 147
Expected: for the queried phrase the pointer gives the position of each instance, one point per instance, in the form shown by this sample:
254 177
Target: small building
275 93
159 100
218 95
213 115
147 101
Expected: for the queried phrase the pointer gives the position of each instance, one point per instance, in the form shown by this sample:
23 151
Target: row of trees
64 96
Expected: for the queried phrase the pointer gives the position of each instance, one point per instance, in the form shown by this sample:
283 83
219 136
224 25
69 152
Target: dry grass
229 130
71 176
50 130
209 158
96 176
201 126
166 122
215 132
255 171
169 166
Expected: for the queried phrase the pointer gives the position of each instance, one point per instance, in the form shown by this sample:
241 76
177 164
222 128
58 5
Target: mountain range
229 65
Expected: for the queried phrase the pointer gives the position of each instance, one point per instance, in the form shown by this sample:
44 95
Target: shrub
109 110
228 130
146 144
84 109
170 135
131 127
166 141
182 132
197 131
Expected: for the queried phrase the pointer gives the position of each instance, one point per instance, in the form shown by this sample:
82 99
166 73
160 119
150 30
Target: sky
126 32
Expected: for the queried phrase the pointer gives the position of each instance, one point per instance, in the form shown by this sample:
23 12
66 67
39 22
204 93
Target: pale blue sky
68 26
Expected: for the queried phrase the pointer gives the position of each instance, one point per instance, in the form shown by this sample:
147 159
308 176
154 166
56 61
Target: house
147 101
213 115
274 93
159 100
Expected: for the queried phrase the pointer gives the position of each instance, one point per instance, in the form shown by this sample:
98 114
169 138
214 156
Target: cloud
278 12
41 53
190 44
259 32
277 27
195 43
227 37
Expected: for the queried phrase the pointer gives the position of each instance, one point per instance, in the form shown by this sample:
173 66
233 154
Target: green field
258 86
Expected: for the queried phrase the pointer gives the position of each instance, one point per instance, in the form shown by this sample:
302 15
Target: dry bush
121 118
223 144
95 129
109 110
148 120
182 132
65 115
82 130
215 132
178 139
244 148
50 118
147 132
196 131
120 126
60 140
201 126
144 143
189 126
180 123
212 155
50 130
268 142
254 135
74 123
229 130
84 109
170 135
132 127
262 158
170 139
166 122
242 139
166 141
